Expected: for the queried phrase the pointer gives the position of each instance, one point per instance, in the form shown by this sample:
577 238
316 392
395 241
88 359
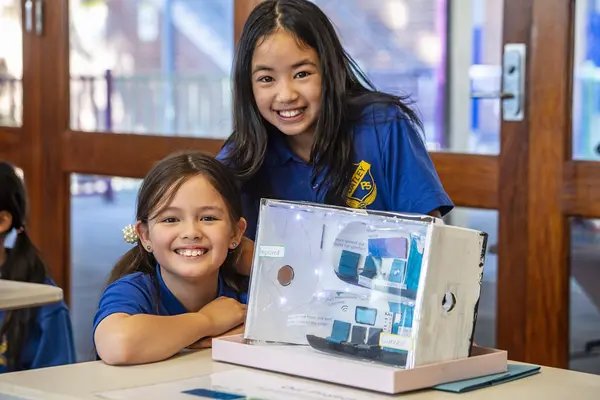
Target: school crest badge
363 189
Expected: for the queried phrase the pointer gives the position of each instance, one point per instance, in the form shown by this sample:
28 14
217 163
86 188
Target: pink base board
303 361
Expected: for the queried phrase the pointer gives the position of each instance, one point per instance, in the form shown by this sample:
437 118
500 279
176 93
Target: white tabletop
21 294
88 380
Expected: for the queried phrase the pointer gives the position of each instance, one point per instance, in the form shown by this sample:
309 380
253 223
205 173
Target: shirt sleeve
411 177
123 296
56 346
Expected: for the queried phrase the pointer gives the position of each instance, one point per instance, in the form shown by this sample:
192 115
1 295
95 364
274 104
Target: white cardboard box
304 361
400 289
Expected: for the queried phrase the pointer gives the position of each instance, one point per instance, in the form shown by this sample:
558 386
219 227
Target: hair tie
129 234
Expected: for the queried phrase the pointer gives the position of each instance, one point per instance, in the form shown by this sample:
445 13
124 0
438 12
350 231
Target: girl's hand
206 343
244 262
223 314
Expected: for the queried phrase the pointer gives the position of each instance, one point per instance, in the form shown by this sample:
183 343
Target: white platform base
303 361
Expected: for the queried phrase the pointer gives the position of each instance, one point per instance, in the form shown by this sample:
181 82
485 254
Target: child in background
178 287
30 337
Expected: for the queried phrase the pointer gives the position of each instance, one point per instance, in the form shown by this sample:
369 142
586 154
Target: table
22 294
81 381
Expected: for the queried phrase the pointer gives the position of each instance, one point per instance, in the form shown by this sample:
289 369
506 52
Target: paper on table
241 384
244 384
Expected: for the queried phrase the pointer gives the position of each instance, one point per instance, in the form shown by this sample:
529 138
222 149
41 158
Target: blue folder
515 371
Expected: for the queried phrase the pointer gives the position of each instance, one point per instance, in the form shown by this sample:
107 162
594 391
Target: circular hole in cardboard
449 301
285 275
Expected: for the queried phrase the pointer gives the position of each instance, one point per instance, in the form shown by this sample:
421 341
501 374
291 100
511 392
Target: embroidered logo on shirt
363 190
3 348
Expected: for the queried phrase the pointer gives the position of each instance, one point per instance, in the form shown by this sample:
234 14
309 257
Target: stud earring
234 244
148 247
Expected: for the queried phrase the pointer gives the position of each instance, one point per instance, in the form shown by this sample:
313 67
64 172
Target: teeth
290 113
190 253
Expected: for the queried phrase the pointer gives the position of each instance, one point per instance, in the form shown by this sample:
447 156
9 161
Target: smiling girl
178 286
309 126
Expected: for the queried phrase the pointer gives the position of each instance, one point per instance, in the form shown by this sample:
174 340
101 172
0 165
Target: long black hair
158 189
346 92
23 263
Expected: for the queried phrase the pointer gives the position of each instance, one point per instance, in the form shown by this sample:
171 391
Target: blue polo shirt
50 339
392 170
134 294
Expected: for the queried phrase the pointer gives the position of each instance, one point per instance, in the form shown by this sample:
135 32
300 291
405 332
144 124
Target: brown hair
158 189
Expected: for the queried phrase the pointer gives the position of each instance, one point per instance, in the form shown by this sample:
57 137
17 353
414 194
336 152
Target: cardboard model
394 288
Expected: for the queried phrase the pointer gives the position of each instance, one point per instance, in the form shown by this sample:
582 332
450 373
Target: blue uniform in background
392 170
50 339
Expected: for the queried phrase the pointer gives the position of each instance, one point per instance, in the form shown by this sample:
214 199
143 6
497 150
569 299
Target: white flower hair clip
129 234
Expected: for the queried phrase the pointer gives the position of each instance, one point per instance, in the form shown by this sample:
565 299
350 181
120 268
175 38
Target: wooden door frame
533 183
533 253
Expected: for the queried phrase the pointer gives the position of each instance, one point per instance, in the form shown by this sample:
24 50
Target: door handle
492 95
39 17
32 20
28 8
512 94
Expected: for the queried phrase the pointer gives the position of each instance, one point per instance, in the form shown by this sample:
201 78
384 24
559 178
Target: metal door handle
492 95
512 94
39 17
28 7
30 19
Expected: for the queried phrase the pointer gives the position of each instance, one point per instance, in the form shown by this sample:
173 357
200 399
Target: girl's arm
436 213
142 338
206 343
122 338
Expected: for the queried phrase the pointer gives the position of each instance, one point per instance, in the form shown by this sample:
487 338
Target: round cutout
285 275
449 301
